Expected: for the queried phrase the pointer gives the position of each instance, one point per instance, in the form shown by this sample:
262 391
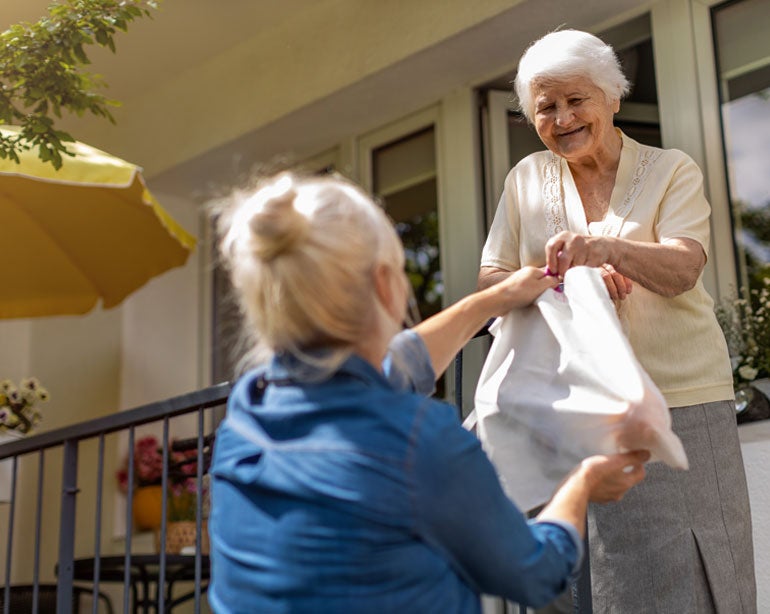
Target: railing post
582 600
67 527
9 545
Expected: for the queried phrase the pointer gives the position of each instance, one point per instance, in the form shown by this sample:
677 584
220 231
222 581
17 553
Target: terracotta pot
181 534
147 507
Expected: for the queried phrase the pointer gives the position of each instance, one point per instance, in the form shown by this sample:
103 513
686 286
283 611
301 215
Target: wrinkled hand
619 286
568 249
609 477
521 288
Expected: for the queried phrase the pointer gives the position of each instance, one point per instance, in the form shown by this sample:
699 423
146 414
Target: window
404 177
743 67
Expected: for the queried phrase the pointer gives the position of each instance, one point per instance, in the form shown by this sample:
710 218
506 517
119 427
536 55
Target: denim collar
287 369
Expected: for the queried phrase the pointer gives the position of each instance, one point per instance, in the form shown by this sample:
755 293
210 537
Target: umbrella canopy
90 231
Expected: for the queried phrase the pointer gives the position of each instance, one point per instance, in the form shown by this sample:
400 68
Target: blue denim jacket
354 495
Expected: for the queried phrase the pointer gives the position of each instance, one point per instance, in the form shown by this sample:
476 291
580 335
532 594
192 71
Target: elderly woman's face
573 118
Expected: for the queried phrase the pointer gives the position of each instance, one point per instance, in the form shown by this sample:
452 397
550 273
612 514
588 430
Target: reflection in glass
743 59
746 131
404 177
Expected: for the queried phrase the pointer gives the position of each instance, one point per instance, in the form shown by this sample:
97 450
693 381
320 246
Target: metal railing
69 441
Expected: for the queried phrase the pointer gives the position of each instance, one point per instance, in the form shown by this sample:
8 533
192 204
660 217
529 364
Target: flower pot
752 402
147 507
6 466
180 535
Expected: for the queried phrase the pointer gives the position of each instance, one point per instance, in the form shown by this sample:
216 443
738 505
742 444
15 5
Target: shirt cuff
570 530
407 364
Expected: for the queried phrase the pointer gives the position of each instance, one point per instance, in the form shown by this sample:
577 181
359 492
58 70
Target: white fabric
561 383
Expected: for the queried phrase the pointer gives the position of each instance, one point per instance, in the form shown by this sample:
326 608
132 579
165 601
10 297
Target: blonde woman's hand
609 477
520 289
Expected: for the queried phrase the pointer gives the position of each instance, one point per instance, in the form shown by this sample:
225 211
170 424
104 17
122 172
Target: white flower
748 373
29 383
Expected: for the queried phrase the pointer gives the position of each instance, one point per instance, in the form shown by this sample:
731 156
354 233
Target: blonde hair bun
276 225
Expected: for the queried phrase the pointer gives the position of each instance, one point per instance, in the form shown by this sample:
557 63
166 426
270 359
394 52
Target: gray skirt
680 542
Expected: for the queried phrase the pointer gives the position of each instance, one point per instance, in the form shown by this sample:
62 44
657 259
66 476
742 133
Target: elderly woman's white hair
567 54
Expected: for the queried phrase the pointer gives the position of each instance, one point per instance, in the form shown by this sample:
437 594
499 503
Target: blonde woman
336 487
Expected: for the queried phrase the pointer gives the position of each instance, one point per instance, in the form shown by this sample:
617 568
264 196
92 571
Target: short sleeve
501 249
684 211
407 365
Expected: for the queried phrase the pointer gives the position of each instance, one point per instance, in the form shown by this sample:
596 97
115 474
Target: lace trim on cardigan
614 220
553 195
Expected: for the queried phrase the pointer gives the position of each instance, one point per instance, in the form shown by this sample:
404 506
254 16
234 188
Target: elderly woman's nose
564 114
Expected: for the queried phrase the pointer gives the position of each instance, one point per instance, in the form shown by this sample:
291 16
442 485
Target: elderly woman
681 542
335 487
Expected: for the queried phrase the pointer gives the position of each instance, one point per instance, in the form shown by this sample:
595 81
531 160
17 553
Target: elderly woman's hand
568 249
618 285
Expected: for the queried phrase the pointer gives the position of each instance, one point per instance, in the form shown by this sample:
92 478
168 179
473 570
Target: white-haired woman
681 542
335 487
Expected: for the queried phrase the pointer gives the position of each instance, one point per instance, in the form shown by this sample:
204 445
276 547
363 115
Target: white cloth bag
561 383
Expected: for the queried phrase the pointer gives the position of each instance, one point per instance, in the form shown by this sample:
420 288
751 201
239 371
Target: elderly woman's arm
490 275
668 268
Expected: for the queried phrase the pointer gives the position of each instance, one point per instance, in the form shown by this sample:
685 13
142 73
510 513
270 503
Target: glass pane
743 58
404 177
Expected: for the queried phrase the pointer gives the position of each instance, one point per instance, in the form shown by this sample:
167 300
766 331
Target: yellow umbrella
86 232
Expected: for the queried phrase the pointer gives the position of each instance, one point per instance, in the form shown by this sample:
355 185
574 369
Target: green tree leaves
42 71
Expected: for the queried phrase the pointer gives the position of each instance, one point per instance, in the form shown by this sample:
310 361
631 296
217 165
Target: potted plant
19 416
745 322
147 498
184 496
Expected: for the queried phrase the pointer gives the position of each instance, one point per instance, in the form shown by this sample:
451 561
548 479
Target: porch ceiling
186 38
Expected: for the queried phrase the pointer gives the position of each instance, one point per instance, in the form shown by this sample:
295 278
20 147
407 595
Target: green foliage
755 223
419 234
41 71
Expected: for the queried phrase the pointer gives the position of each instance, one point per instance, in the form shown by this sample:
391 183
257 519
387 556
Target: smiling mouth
571 132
